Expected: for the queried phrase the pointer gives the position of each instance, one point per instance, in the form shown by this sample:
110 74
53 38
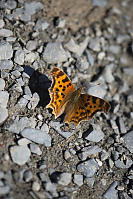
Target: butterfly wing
60 89
85 108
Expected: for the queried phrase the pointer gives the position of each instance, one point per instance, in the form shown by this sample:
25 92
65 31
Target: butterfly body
66 99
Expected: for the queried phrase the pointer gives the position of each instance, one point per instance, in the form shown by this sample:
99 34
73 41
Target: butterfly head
79 91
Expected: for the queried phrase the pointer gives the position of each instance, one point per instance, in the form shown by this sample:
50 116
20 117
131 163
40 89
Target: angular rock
19 57
96 135
128 140
2 84
78 179
4 97
31 45
88 168
4 190
6 64
65 179
18 125
112 192
77 49
57 126
5 32
3 114
34 148
6 51
101 3
86 151
20 154
123 164
94 44
54 53
37 136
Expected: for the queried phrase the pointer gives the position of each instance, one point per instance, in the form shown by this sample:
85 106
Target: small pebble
6 51
88 168
34 148
27 176
19 57
78 179
65 179
20 154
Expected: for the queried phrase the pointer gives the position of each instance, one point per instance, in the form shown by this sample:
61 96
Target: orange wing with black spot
85 108
60 89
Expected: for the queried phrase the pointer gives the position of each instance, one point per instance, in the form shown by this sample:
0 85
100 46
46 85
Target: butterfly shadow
39 83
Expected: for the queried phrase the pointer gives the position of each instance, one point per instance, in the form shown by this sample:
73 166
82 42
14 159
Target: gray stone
96 135
122 126
4 190
90 181
104 155
1 174
37 136
57 126
122 38
87 151
97 90
108 73
51 187
18 125
115 49
77 49
45 128
34 101
31 45
2 23
32 7
2 84
111 192
20 154
19 57
128 140
54 53
28 10
65 179
6 51
27 176
34 148
67 155
128 71
41 25
78 179
16 73
124 164
88 168
4 97
95 44
130 98
6 64
22 103
23 142
82 65
31 57
5 33
11 4
90 58
100 3
3 114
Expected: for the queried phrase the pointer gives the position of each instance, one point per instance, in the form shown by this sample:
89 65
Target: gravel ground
91 40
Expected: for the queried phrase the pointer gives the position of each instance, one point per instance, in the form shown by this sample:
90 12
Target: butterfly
66 99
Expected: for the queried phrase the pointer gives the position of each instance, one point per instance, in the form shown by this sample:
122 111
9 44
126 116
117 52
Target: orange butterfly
66 99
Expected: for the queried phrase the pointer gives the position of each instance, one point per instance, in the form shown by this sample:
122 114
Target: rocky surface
41 157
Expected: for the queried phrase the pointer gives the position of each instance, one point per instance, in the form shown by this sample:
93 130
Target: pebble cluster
38 156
